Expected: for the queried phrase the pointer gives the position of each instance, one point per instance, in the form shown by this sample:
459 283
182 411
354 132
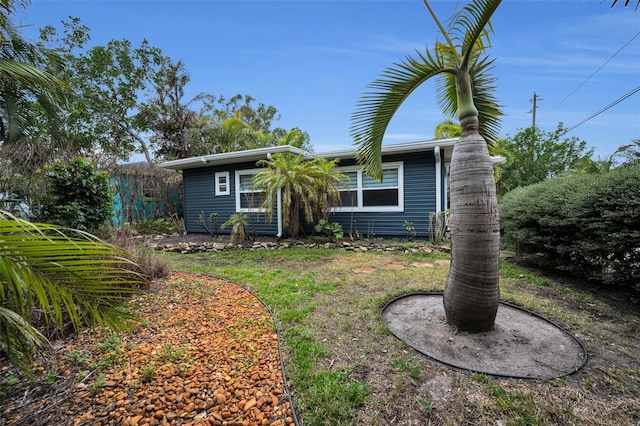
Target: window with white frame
222 183
248 199
370 195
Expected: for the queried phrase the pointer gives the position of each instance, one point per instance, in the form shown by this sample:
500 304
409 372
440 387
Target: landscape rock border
194 243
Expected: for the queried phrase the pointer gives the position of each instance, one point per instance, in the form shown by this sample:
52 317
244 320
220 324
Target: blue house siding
422 181
199 196
419 200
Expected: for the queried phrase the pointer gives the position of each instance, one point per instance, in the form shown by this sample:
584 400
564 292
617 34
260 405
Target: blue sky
313 59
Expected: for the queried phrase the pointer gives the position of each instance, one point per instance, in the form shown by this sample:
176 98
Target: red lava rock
188 363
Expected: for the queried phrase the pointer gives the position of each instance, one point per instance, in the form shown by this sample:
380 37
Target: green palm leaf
376 108
68 275
461 62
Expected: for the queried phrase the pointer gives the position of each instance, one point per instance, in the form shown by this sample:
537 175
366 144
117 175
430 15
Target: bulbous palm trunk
472 293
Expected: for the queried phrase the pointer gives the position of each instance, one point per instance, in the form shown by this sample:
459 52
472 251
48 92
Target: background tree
536 155
629 153
259 117
465 86
447 129
30 99
170 118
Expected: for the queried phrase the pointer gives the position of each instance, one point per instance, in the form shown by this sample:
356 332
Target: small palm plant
238 224
465 86
67 276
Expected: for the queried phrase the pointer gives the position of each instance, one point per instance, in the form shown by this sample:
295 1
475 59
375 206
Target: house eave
249 155
400 148
253 155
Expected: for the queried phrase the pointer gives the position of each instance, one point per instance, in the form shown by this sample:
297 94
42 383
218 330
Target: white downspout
436 153
279 213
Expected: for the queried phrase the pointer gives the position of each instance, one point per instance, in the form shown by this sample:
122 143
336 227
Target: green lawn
345 368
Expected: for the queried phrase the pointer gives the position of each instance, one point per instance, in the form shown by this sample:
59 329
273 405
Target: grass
345 368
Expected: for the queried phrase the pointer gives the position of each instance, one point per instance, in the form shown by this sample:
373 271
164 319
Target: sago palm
65 276
465 87
310 188
287 175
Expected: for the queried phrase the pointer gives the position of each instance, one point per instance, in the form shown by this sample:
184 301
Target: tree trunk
472 293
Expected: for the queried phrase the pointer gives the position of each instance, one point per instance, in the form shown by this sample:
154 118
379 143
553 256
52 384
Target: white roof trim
253 155
249 155
400 148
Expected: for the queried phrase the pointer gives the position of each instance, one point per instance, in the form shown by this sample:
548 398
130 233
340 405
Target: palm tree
471 295
23 79
66 276
233 134
307 187
447 129
626 3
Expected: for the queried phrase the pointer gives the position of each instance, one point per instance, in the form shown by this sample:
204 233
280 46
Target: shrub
77 196
585 225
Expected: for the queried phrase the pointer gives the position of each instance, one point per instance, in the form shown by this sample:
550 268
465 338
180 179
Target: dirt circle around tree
521 345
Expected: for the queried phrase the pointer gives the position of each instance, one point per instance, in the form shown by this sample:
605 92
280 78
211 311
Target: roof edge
263 153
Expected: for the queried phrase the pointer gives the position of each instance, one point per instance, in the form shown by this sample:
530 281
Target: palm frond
66 274
473 23
19 340
376 108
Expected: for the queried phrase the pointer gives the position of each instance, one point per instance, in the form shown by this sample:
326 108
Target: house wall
419 200
199 195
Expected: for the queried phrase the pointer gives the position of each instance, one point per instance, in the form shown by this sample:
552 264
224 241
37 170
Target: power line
612 104
594 73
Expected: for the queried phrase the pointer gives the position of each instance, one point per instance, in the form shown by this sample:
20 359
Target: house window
248 199
222 183
369 195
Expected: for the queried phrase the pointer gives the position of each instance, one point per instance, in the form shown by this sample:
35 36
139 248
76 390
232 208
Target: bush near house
77 196
585 225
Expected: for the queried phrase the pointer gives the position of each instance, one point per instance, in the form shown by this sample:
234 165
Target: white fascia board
400 148
262 153
230 157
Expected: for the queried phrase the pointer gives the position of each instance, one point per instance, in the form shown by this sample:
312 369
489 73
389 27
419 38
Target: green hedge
585 225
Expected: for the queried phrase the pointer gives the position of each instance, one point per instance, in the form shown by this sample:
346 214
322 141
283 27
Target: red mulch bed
205 353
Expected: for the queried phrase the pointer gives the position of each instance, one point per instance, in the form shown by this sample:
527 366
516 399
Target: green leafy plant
157 226
411 230
238 223
7 381
96 387
308 188
76 357
149 373
584 224
332 230
171 353
50 379
77 196
68 276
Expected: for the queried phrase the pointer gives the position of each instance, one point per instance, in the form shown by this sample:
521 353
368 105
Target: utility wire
612 104
594 73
